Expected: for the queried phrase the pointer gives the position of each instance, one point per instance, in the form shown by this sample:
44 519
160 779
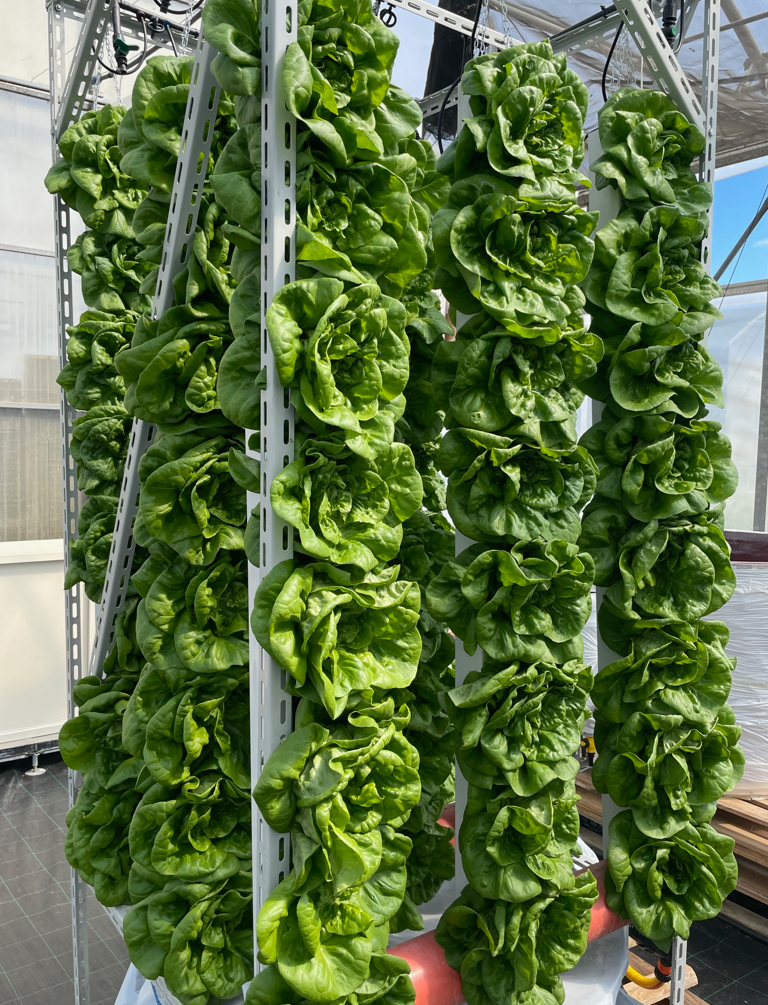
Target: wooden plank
592 839
752 811
590 805
652 996
748 845
747 919
753 880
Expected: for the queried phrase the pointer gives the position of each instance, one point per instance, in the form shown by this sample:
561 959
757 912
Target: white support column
74 598
271 705
194 153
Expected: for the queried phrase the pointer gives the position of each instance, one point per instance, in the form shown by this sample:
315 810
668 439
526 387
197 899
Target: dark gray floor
35 925
732 967
36 934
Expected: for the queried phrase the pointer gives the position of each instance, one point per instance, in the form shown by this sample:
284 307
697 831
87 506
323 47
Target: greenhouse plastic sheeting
746 615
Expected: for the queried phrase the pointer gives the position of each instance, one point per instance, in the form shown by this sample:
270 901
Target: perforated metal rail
196 139
271 710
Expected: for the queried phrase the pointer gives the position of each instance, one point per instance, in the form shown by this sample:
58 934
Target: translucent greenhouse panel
25 157
30 450
737 343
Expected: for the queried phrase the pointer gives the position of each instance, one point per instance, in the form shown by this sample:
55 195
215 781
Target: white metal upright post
191 167
74 598
271 708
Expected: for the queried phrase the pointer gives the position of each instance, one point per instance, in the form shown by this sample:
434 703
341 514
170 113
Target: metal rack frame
68 101
271 705
273 444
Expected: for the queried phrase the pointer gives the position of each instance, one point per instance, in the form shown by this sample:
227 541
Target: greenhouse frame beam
661 60
131 22
273 445
78 85
465 26
196 139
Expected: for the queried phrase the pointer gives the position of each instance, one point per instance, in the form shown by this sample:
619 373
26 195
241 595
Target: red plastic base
437 983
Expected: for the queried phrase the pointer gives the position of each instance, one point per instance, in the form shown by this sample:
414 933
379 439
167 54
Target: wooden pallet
744 820
656 996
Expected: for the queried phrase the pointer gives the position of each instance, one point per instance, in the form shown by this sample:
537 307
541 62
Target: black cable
192 6
680 37
457 81
449 92
608 61
478 11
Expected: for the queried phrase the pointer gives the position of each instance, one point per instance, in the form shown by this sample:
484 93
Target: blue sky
737 199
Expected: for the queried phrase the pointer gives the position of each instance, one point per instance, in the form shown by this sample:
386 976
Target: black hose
608 60
449 92
457 81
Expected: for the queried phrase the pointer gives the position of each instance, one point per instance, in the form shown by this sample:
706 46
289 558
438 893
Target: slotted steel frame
69 97
197 136
74 598
271 707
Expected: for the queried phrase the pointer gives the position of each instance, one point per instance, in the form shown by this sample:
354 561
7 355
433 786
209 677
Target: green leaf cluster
89 176
648 148
510 235
111 272
338 82
528 603
659 469
336 633
511 245
341 790
665 885
97 825
388 983
149 134
515 952
666 737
